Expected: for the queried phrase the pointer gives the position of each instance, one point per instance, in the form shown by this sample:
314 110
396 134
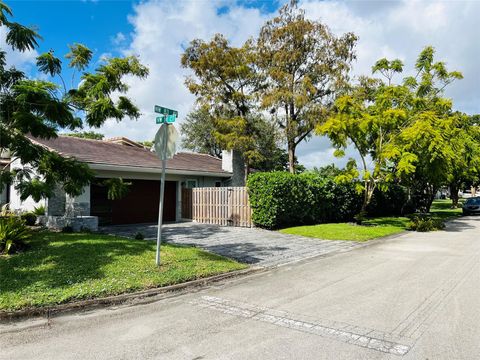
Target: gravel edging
143 296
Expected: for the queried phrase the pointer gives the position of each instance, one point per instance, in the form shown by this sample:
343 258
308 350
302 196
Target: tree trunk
367 197
431 197
454 195
291 158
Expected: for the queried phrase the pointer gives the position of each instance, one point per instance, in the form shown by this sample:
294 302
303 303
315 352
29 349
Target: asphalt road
413 297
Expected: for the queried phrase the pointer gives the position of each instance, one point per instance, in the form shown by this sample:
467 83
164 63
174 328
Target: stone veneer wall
56 202
75 208
78 223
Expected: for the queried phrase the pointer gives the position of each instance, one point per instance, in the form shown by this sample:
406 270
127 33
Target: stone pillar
56 202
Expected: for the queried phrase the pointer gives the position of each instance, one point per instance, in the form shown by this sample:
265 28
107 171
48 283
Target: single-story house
135 164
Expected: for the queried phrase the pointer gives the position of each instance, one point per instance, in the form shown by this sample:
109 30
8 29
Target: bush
332 202
67 229
392 202
139 236
39 211
30 218
13 233
280 198
425 223
85 229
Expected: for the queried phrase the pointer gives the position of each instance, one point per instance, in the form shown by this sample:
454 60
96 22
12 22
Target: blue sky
93 23
158 30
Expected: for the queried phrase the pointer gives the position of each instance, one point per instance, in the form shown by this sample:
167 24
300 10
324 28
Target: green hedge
392 202
280 199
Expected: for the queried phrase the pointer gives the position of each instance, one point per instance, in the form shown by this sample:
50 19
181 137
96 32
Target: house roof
112 153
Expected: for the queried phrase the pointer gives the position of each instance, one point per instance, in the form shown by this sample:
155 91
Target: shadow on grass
59 260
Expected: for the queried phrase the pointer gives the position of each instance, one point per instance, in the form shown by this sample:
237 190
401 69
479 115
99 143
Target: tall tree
408 131
305 67
198 132
39 108
368 118
428 145
465 170
225 83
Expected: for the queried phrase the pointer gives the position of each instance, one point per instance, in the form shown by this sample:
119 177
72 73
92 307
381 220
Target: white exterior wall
15 203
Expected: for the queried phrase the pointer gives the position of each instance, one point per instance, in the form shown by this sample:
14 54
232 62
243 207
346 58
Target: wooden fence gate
227 206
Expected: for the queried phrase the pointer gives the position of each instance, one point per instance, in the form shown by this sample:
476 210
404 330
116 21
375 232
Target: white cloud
386 29
119 38
162 30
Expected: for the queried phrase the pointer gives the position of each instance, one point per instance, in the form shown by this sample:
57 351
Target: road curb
140 297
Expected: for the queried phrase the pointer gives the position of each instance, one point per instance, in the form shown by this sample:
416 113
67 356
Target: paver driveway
252 246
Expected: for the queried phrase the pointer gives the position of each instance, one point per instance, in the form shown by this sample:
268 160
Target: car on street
471 206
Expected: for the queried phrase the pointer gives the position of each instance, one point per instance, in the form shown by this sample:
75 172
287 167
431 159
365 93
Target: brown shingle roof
108 153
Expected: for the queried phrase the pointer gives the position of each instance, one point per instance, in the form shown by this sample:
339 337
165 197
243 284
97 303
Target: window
190 184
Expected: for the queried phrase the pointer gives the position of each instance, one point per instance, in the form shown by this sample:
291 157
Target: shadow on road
463 223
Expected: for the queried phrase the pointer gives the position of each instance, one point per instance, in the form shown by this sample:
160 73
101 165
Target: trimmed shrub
280 199
277 198
425 223
332 202
30 218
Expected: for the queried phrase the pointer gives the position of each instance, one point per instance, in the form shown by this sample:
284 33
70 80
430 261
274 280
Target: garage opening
140 205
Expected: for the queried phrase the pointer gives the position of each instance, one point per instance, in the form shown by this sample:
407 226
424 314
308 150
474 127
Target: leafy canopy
408 130
31 108
304 66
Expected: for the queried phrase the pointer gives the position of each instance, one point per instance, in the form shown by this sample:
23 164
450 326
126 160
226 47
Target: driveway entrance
247 245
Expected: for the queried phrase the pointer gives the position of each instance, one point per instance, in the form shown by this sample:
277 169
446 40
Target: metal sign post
162 193
165 149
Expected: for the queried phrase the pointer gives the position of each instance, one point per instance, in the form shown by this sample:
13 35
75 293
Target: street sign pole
162 191
164 151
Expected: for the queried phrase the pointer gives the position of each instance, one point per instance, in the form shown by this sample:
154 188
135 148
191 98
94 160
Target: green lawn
373 228
64 267
442 209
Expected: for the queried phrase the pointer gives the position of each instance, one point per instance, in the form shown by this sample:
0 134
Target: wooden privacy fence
227 206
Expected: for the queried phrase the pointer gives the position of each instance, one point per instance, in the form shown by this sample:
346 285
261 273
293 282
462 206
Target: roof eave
142 169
